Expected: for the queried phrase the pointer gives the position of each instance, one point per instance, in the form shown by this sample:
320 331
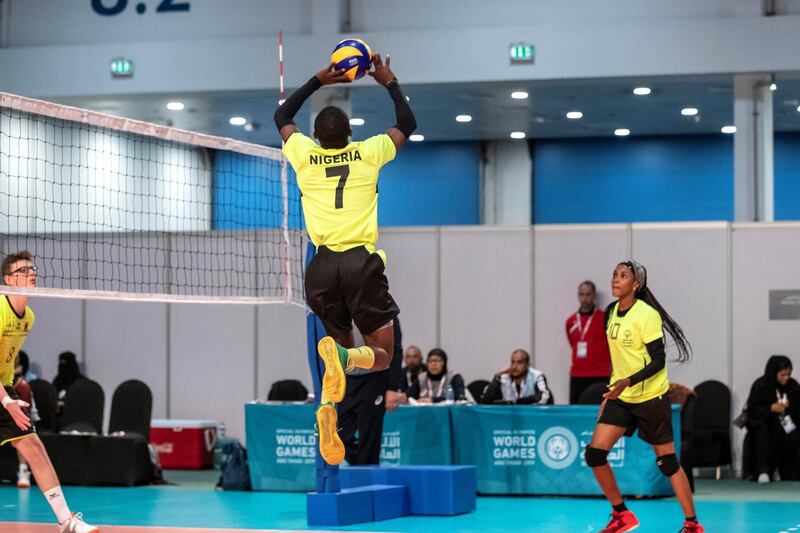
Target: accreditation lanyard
582 348
441 387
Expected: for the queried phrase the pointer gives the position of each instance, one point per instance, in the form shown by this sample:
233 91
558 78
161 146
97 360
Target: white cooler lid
182 423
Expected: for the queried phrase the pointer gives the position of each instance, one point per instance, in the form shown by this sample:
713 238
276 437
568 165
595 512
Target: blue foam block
361 476
390 501
437 490
350 506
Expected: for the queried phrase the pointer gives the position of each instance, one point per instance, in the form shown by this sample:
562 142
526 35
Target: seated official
432 385
772 443
518 383
412 366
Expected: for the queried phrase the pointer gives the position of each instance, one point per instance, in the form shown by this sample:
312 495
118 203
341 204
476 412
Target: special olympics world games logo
558 447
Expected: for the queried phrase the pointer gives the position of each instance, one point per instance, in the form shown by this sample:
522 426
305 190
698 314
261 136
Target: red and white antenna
280 66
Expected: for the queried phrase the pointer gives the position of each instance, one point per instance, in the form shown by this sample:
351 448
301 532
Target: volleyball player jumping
637 398
345 282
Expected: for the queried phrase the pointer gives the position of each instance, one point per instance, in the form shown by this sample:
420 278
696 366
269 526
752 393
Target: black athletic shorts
652 418
8 428
347 287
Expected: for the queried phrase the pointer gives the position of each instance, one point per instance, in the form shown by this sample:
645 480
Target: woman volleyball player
637 396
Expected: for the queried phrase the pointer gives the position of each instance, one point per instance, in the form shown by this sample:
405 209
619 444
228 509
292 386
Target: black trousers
774 449
578 385
361 417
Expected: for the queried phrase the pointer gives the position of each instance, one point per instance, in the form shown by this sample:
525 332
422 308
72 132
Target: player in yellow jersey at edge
638 394
345 282
16 321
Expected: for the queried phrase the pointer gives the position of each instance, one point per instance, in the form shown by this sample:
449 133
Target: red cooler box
184 444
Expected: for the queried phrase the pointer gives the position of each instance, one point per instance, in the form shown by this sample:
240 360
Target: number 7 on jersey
342 172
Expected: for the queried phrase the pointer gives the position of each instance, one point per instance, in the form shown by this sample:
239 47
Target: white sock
56 500
23 467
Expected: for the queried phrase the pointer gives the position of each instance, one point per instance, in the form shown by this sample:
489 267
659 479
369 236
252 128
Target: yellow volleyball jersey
340 189
13 331
627 336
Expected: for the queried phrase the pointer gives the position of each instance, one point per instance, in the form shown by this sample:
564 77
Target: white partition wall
413 272
128 341
765 257
486 298
564 256
282 347
58 328
688 271
212 361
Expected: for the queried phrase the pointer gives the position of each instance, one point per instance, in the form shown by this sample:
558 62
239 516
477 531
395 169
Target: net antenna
115 208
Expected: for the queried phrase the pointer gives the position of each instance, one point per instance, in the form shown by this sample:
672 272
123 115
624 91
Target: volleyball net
122 209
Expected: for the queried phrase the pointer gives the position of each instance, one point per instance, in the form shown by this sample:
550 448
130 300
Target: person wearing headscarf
432 384
773 413
68 373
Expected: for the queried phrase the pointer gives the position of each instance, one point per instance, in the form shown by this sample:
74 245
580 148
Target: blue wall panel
633 179
427 184
431 184
787 176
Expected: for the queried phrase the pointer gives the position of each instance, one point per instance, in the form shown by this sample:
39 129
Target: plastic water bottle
450 396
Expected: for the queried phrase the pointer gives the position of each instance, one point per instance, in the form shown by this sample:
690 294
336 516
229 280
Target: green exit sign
121 68
521 53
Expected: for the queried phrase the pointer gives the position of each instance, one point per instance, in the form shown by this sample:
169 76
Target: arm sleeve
541 395
406 122
492 392
607 313
285 113
658 360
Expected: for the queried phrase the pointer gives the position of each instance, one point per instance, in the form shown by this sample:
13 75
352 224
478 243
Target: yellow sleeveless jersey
340 189
13 331
627 336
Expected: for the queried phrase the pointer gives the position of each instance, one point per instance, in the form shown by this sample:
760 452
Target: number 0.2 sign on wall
108 8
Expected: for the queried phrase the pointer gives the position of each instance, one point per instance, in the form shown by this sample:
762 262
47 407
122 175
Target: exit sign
121 68
521 53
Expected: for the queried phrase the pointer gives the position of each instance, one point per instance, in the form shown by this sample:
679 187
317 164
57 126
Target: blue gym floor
723 506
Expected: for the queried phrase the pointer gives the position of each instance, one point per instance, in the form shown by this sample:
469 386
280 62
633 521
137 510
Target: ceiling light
175 106
519 95
689 111
416 137
622 132
642 91
517 134
463 118
238 121
248 127
728 129
773 87
408 98
281 101
574 115
798 109
356 121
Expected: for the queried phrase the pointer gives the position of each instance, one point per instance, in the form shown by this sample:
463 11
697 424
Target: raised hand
330 75
382 73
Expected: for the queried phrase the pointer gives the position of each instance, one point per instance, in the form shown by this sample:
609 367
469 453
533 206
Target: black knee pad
668 464
596 457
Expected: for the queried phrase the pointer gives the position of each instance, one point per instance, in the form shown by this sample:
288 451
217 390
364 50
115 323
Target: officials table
516 449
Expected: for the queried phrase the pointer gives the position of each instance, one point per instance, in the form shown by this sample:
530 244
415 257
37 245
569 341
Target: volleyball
354 56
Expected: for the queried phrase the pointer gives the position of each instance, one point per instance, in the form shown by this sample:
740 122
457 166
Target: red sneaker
621 522
691 527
